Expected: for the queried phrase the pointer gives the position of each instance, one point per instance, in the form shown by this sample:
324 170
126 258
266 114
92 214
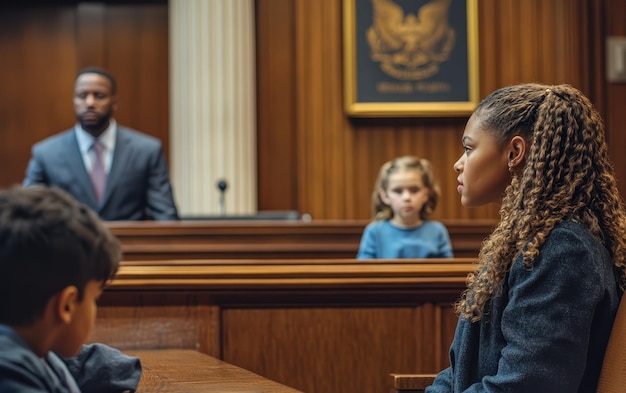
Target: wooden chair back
612 376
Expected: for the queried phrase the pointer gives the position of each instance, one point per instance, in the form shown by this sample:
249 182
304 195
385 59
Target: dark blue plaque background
454 71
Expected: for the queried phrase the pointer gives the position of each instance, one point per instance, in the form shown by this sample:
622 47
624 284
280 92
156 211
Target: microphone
222 185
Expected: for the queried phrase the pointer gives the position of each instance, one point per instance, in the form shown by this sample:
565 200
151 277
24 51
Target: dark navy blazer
548 330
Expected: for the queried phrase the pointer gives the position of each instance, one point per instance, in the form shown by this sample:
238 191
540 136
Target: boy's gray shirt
96 369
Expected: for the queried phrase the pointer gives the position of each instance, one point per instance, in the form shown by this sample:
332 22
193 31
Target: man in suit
118 172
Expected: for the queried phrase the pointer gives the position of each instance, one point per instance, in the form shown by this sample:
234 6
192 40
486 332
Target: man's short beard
94 127
97 127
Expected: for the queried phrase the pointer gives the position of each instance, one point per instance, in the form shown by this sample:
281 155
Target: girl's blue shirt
383 240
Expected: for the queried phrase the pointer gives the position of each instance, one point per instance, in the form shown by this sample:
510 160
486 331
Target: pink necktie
98 175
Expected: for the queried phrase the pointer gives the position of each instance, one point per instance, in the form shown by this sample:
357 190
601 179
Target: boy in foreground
55 259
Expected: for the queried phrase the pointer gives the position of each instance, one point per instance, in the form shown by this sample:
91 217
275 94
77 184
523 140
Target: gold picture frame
407 58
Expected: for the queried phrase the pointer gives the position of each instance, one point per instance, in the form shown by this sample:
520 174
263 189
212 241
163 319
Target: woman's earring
511 166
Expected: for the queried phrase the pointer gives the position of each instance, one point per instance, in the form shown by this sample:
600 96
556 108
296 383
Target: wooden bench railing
315 325
259 239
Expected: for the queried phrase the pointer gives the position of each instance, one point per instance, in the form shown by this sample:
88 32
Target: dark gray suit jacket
548 330
138 185
96 369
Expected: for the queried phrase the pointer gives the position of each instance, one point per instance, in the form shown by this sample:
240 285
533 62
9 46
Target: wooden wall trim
269 239
326 274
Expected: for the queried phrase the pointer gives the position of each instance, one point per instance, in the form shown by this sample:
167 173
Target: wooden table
189 371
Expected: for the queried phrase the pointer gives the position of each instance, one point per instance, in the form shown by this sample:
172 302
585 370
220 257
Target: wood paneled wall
44 44
555 41
614 24
311 157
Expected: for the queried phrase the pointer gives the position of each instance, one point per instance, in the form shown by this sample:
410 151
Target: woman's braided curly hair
567 175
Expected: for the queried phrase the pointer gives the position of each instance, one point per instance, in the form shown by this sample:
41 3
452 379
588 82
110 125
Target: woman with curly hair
538 310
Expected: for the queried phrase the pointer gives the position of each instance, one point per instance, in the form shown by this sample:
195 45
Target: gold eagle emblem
410 46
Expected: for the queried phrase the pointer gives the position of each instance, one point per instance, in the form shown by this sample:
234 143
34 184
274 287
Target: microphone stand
222 186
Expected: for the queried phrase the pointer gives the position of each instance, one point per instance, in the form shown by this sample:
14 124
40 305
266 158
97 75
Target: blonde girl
404 198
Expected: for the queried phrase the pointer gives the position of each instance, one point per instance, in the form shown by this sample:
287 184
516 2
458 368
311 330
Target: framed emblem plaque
408 58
